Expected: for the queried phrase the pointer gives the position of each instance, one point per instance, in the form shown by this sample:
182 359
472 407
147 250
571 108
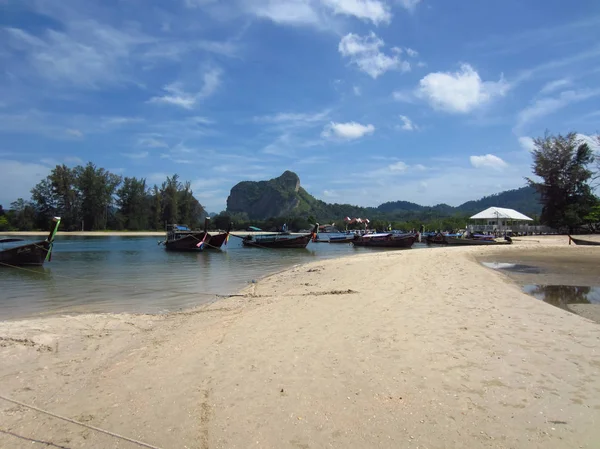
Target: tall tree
156 209
170 194
132 200
96 187
562 164
56 195
23 217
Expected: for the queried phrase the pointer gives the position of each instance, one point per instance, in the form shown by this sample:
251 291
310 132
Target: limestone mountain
274 198
284 197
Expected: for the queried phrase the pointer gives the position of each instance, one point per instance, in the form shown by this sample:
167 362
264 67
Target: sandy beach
404 349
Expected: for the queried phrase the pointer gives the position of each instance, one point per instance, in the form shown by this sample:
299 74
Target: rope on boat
78 423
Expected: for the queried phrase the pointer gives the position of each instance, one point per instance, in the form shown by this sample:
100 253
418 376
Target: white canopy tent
500 219
500 213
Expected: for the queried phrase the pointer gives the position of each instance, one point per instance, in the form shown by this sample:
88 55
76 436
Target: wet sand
564 265
406 349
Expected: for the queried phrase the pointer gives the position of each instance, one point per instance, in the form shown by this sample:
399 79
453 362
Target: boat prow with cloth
182 238
385 240
35 253
280 240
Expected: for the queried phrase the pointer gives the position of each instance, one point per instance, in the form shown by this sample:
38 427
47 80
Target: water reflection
564 295
133 274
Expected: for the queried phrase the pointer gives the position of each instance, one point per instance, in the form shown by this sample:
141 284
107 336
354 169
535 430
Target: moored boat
35 253
217 240
385 240
583 242
280 240
182 238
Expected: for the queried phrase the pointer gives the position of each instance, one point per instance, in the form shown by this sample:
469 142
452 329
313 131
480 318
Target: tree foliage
96 199
562 164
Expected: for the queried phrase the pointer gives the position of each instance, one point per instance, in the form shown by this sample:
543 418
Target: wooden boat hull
404 242
344 240
584 242
188 243
30 254
276 243
466 242
216 241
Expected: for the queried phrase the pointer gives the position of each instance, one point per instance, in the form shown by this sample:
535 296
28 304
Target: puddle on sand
514 267
564 295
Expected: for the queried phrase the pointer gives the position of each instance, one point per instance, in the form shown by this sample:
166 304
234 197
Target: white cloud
290 12
356 90
318 13
372 10
151 142
409 4
17 179
121 121
347 131
546 106
555 85
74 133
488 161
404 96
364 51
398 167
85 53
177 96
412 53
330 194
527 143
407 124
459 92
294 117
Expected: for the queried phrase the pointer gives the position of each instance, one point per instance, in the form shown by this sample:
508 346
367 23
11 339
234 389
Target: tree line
568 171
92 199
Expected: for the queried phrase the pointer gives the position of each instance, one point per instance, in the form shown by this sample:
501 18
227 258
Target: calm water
134 274
564 295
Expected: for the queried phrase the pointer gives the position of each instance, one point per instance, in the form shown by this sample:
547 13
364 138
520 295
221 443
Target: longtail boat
342 239
31 253
280 240
460 241
217 240
385 240
583 242
182 238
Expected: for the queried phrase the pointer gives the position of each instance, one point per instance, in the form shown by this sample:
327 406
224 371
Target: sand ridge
395 349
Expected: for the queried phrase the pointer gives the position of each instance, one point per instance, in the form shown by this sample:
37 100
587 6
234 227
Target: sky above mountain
367 101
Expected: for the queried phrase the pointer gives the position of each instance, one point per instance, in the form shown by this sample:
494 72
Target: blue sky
367 100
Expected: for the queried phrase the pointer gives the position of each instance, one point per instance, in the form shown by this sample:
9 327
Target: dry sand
405 349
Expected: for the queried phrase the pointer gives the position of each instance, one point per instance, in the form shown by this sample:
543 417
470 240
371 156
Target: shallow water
514 267
564 295
134 274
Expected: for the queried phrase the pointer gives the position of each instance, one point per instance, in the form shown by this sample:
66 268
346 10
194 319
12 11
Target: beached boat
342 239
217 240
476 241
461 240
35 253
583 242
280 240
182 238
385 240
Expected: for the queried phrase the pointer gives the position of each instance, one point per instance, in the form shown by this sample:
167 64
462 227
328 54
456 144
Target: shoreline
316 355
120 233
